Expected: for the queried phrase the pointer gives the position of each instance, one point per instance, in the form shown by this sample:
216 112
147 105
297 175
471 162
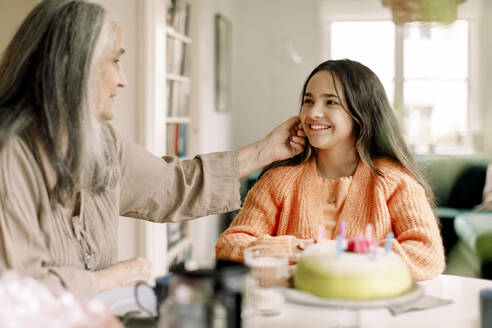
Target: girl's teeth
319 127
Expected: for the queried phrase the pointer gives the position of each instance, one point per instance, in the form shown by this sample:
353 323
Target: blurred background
436 75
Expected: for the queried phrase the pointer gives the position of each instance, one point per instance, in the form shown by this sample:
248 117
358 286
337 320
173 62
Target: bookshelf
166 91
178 111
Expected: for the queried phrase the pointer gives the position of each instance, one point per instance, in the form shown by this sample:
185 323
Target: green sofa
458 183
474 230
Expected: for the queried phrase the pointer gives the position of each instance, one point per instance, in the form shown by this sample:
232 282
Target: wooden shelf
178 36
178 120
178 78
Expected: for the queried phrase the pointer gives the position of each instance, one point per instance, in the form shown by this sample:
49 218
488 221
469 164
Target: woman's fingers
300 130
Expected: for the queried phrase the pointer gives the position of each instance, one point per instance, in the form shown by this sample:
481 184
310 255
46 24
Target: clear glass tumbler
269 271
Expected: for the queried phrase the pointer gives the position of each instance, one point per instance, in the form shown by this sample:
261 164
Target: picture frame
223 39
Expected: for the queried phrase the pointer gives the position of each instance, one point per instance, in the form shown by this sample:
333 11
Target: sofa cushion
442 171
467 191
483 246
474 229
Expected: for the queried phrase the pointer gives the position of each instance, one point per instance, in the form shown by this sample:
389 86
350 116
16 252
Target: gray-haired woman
66 176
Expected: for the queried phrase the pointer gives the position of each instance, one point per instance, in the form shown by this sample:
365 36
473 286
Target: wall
213 130
126 106
486 76
266 82
12 13
266 88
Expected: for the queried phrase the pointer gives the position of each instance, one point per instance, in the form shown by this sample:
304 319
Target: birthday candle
339 246
387 244
342 229
369 232
374 250
321 237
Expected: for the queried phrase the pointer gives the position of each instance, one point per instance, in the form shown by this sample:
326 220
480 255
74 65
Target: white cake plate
300 297
349 316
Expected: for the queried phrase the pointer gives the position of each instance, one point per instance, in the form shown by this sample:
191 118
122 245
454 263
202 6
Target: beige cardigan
40 242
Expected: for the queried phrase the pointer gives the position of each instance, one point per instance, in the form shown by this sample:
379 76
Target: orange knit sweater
286 203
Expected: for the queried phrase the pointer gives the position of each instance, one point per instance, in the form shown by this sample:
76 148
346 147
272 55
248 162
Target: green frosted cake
354 276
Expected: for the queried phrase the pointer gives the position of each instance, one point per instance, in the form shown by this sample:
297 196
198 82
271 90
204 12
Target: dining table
462 312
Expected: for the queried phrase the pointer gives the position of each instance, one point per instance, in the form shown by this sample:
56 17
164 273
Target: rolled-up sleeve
169 189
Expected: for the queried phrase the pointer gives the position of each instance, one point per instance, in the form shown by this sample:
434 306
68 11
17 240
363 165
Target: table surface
464 312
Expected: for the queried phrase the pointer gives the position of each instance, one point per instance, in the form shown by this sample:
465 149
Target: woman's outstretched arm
283 142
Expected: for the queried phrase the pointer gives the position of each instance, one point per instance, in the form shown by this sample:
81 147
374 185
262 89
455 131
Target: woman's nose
122 81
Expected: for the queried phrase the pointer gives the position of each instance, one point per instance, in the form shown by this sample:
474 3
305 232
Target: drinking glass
269 271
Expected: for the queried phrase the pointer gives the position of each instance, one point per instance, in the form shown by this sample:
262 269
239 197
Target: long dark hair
376 128
45 95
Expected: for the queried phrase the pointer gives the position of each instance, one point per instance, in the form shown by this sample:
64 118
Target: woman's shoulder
18 167
12 150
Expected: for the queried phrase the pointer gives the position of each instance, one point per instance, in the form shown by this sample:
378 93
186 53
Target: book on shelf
178 99
181 149
169 95
170 5
174 55
182 256
170 54
183 102
175 233
185 68
178 15
178 57
176 139
172 234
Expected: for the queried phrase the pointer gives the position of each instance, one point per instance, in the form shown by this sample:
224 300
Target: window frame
332 11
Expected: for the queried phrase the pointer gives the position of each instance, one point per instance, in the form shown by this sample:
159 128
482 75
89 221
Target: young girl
355 168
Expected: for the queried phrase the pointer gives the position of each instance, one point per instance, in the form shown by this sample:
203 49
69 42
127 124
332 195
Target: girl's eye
331 102
307 101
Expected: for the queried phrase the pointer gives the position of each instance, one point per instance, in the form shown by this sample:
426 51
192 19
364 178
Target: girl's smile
324 113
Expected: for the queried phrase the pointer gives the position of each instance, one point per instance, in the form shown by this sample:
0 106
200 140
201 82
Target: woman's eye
331 102
307 101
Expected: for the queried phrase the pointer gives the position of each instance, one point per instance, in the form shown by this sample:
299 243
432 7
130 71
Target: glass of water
269 271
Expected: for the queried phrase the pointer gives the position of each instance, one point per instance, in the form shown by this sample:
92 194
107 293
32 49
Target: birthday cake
355 270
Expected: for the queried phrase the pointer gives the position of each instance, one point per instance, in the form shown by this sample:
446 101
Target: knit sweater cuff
281 241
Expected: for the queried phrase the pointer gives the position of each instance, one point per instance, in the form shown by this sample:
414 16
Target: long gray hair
46 95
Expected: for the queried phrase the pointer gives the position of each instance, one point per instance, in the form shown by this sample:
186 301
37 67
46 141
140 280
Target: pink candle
374 250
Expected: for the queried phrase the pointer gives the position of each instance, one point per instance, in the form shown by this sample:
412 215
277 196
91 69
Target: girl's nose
316 111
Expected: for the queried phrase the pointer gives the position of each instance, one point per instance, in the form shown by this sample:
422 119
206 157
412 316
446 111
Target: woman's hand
124 273
283 142
286 140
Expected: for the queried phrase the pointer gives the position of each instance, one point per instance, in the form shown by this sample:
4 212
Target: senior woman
66 175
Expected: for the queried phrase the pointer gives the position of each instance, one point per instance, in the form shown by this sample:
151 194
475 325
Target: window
425 72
